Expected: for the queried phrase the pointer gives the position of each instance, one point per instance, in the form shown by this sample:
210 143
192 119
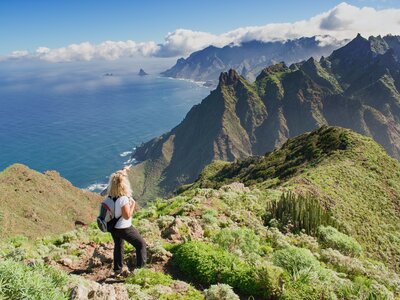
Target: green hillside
316 219
356 87
350 174
35 204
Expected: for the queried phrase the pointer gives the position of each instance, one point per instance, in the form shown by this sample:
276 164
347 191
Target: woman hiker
120 191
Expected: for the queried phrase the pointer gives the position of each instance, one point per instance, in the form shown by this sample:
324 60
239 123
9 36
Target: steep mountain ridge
357 87
35 204
248 58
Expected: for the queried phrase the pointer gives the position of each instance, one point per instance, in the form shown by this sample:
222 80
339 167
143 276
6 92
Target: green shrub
18 281
209 264
209 216
99 237
190 294
147 278
342 263
136 293
170 207
220 292
364 288
331 237
156 284
305 290
18 240
65 238
16 254
294 259
238 240
164 222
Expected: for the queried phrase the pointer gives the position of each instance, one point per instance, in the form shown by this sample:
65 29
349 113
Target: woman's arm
127 209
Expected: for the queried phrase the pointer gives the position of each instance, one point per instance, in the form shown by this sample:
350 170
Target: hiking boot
121 273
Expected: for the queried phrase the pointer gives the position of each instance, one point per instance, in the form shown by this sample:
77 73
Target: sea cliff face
356 87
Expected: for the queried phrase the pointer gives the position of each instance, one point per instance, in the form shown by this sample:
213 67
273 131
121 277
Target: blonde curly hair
119 185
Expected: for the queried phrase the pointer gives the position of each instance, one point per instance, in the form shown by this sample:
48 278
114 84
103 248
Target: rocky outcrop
142 73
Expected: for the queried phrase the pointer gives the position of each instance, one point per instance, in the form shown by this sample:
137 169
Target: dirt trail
96 263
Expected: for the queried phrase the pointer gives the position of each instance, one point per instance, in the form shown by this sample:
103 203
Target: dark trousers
132 236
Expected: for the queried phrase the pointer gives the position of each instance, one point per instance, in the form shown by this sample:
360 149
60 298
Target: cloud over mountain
343 21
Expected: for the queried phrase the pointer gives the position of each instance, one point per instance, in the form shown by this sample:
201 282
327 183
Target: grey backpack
106 220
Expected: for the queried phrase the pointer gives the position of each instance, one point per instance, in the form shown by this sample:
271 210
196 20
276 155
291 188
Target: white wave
198 83
130 161
126 153
96 187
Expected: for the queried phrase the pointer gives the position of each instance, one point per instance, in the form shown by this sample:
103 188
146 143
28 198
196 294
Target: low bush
342 263
209 216
220 292
18 240
18 281
364 288
294 259
156 285
147 278
330 237
241 241
210 264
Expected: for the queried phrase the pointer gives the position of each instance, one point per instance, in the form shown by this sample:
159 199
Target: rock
31 262
181 229
195 229
158 254
102 255
95 291
94 262
103 292
180 286
142 73
79 292
172 232
65 261
121 291
235 187
159 290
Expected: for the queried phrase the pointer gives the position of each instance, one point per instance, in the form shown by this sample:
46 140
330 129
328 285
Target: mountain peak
228 78
359 40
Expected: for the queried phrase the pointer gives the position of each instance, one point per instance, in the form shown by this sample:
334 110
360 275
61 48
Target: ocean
84 122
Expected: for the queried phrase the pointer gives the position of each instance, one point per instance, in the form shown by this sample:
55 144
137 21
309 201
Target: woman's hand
132 203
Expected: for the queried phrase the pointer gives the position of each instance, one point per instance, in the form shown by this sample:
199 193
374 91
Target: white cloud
19 54
108 50
342 22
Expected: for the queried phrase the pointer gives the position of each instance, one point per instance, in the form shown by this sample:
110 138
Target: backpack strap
115 199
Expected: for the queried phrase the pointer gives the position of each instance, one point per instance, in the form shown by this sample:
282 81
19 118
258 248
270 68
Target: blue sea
84 120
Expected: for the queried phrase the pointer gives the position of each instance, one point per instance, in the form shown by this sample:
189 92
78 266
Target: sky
71 30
